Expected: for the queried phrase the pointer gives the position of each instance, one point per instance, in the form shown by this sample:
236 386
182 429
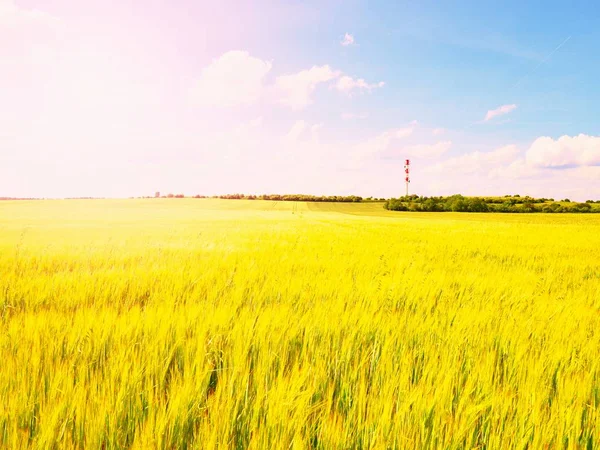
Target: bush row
458 203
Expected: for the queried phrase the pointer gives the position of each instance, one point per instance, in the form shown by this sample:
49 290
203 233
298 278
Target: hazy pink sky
102 98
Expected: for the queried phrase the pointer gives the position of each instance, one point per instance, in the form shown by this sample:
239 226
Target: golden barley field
187 323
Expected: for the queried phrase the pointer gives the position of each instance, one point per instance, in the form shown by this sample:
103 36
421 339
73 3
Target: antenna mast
407 174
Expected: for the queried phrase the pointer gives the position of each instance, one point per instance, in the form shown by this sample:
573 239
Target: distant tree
551 208
456 203
582 207
432 205
528 207
157 194
394 204
505 207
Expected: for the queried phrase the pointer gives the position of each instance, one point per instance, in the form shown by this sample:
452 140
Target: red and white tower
407 174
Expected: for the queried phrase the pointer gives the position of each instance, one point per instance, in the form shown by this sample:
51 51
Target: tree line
509 204
295 197
277 197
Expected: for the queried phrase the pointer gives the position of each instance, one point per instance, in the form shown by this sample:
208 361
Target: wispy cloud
12 15
477 162
296 131
427 150
235 78
380 145
350 116
542 61
348 84
296 90
348 40
439 32
500 111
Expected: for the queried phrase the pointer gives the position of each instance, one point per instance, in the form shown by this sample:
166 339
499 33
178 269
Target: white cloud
565 167
238 79
233 79
581 150
477 162
348 40
591 173
296 131
296 90
516 170
347 84
249 126
12 16
257 122
380 145
31 41
301 131
500 111
350 116
427 150
400 133
575 156
438 131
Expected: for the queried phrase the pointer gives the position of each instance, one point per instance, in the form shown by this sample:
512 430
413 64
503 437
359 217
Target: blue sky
316 97
447 62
